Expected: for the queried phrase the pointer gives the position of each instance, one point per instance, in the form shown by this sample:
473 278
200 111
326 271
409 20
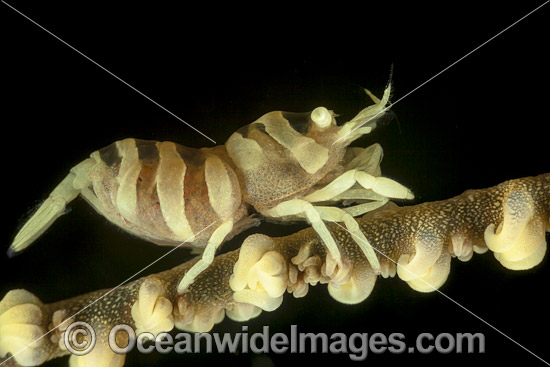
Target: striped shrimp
280 167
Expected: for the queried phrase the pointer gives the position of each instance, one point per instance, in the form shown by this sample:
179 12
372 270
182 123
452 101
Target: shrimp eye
321 117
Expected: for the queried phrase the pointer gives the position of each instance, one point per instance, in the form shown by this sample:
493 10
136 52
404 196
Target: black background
219 67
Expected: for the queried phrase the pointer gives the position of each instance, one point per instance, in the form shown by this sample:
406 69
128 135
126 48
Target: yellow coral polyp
358 288
22 328
152 312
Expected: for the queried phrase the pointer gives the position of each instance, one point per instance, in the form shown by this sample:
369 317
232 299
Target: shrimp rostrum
283 166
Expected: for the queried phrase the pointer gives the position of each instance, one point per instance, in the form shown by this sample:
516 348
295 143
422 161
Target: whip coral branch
416 243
